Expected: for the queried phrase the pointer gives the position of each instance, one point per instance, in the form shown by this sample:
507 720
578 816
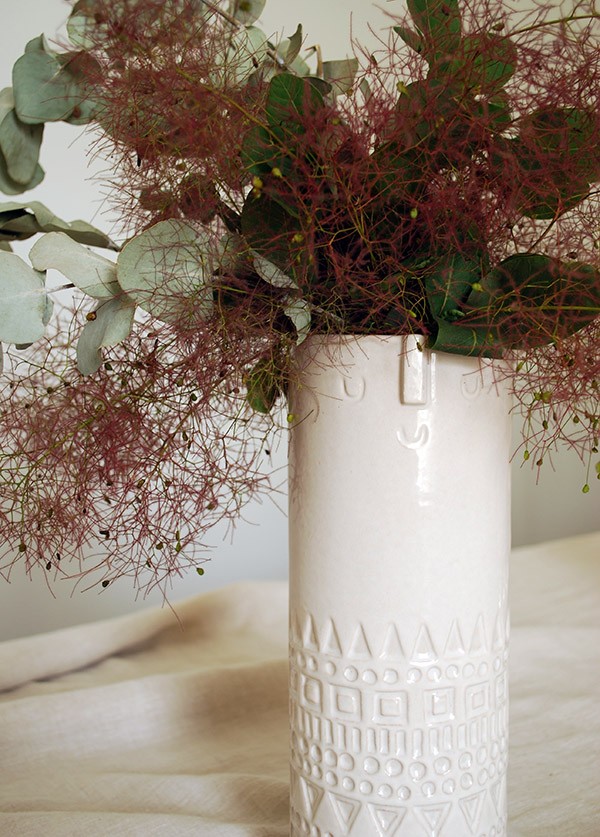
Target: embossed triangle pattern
331 640
433 817
423 652
359 649
312 795
386 818
392 647
455 647
471 806
478 642
346 810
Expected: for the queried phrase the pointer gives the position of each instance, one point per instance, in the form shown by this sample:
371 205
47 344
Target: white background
553 508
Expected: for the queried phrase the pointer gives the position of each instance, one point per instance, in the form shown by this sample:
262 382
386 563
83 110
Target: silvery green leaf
42 91
111 325
271 273
340 74
294 44
19 143
166 266
248 50
24 304
22 220
81 24
10 186
299 66
298 311
232 252
247 11
7 102
91 273
365 88
1 358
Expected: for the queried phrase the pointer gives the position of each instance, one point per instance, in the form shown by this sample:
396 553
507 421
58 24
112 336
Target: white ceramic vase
399 538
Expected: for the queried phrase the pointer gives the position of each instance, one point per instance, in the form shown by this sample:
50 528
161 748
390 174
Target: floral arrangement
444 184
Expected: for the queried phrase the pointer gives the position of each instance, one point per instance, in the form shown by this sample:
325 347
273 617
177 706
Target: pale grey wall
554 508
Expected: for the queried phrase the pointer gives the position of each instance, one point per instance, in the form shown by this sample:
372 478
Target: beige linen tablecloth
135 726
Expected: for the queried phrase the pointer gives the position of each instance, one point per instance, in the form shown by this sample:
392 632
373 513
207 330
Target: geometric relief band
394 736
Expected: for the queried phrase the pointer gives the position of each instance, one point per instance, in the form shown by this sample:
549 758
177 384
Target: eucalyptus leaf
42 91
111 324
340 74
166 269
24 304
19 143
91 273
82 26
263 386
22 220
294 45
298 311
10 186
248 50
247 11
7 102
271 273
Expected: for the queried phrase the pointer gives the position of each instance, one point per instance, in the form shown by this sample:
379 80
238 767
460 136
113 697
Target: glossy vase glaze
399 539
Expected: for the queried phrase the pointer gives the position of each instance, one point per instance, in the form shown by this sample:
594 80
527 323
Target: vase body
399 543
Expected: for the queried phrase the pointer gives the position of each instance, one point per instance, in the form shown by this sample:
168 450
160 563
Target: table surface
147 725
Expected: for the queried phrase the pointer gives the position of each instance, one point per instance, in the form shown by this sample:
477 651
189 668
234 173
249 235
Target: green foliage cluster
456 114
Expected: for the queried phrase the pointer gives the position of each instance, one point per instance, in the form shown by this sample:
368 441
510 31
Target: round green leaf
247 11
24 305
111 325
43 93
298 311
165 268
10 186
271 273
91 273
19 143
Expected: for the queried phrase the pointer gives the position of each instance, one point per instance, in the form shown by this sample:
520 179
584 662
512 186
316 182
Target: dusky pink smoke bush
444 183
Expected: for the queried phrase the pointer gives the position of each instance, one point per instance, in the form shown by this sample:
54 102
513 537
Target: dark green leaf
531 299
484 63
463 339
288 100
448 284
269 229
410 37
438 20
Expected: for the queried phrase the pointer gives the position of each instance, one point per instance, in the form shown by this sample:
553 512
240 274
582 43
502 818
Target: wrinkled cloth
155 724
